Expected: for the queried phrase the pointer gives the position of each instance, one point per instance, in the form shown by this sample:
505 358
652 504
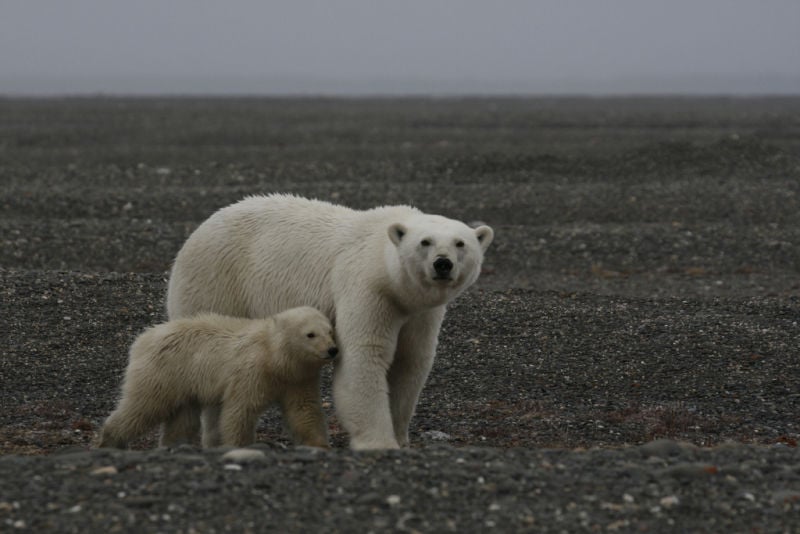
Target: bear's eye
460 244
310 335
425 243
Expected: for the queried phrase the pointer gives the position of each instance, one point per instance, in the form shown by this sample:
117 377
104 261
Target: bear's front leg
367 338
416 349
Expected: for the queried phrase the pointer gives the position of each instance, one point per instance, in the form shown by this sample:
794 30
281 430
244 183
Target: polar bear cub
385 274
231 369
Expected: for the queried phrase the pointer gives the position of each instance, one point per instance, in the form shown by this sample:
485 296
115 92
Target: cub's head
439 256
308 334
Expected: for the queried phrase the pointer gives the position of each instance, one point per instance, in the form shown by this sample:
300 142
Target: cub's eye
425 243
460 244
310 335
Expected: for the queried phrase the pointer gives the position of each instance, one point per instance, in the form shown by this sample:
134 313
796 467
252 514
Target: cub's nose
443 266
332 352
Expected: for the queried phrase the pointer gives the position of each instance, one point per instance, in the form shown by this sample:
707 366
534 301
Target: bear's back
192 337
201 355
315 220
265 254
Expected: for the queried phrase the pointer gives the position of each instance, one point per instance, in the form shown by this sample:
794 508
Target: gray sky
390 47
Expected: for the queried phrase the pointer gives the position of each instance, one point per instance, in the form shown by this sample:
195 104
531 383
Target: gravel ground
628 360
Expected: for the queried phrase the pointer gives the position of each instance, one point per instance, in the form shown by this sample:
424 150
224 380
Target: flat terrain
629 359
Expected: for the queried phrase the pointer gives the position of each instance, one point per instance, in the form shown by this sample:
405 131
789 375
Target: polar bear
384 275
231 368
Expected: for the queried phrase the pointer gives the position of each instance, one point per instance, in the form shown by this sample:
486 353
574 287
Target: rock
436 435
662 448
689 470
669 501
243 456
393 500
105 470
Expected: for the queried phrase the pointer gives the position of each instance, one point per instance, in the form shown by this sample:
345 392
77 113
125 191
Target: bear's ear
485 235
396 233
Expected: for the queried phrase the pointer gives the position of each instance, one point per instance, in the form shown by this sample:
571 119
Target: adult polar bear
384 275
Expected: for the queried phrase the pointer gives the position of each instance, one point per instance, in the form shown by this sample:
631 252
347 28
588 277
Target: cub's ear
396 233
485 235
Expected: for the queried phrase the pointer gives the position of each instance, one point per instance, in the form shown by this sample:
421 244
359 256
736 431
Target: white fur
231 369
368 270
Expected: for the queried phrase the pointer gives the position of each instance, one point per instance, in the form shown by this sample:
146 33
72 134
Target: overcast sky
391 47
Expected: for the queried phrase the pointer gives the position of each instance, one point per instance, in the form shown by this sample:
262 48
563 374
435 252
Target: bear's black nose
332 352
443 266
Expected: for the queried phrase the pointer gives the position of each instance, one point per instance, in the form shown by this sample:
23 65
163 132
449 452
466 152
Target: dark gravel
643 285
661 487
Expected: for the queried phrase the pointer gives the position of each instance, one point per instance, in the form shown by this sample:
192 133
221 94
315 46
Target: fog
352 47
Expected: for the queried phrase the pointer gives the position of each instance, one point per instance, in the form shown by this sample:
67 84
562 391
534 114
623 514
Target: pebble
303 453
688 470
185 448
243 456
436 435
105 470
393 500
669 501
617 525
7 506
662 448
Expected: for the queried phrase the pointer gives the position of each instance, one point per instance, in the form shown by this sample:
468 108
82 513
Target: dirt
628 360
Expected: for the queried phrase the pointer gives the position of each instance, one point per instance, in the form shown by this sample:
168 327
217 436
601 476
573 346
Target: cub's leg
212 437
239 414
183 426
303 415
133 417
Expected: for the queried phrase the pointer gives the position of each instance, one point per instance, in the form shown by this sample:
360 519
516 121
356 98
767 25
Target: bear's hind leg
183 426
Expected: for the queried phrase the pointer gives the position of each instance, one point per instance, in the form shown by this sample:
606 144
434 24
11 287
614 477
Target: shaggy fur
373 271
231 369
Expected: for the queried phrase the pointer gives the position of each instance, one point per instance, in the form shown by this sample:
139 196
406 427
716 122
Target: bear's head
437 256
308 335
